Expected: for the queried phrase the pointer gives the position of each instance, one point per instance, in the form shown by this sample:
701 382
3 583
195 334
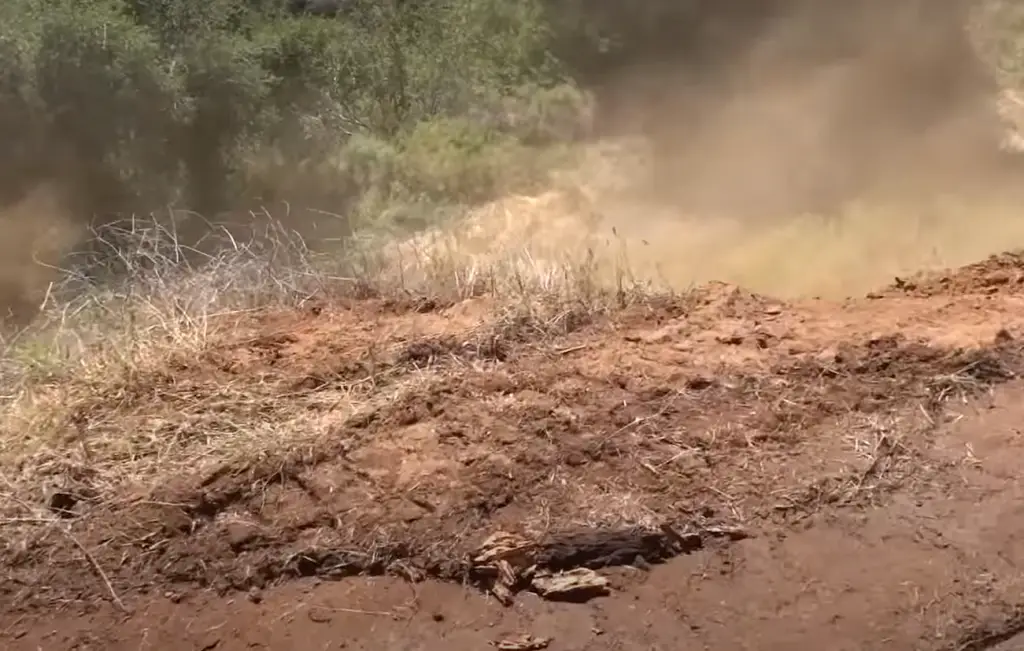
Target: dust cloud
842 145
36 232
837 146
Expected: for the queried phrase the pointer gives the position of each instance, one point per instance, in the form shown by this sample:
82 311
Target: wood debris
506 561
580 584
523 643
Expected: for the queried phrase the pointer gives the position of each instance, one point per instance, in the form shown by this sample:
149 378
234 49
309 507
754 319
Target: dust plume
36 233
845 144
811 148
837 146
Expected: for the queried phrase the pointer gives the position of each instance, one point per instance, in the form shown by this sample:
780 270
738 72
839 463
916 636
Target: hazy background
796 147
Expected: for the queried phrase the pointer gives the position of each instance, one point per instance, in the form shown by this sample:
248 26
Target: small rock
1003 336
173 597
319 617
575 459
408 512
254 595
828 356
240 534
437 617
998 278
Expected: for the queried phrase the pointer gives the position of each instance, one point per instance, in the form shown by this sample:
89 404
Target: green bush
135 104
109 102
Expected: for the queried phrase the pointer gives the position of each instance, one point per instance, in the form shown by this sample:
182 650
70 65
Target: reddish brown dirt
999 274
747 473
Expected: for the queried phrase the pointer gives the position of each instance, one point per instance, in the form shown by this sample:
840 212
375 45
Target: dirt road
720 470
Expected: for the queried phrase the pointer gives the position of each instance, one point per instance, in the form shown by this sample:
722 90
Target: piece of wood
577 585
523 643
598 549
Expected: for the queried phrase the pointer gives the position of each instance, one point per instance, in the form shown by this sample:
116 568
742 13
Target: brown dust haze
830 147
837 146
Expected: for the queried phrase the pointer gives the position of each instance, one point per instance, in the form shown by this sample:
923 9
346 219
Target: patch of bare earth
804 472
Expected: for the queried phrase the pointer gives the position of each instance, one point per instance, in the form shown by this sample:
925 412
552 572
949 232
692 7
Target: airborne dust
832 151
826 155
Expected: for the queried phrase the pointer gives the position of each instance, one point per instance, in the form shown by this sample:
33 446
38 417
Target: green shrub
109 101
401 112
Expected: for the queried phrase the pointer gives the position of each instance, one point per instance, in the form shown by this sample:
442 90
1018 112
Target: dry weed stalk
90 391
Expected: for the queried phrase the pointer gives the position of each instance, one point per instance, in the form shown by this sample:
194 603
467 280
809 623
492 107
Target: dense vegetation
386 112
137 104
397 107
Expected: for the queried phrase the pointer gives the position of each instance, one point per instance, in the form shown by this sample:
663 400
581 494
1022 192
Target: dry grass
95 393
90 391
124 389
600 223
121 386
76 383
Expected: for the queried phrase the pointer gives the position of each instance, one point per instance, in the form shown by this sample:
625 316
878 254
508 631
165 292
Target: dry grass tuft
152 360
100 392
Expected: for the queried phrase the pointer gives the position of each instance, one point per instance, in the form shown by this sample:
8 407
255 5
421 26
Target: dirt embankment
713 469
728 469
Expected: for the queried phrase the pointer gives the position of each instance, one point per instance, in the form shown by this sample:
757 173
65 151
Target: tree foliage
133 104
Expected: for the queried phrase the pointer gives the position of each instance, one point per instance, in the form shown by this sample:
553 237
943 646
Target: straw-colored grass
94 387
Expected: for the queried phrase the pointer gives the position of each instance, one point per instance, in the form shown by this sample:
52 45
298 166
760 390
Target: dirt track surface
741 472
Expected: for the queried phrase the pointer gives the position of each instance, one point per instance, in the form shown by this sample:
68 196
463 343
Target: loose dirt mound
500 447
999 274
